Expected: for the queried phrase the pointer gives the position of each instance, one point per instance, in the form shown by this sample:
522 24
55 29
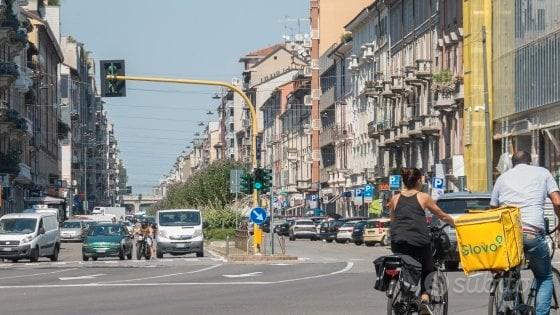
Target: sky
200 39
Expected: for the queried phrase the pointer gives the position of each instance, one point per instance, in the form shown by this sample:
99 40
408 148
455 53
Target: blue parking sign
395 182
438 183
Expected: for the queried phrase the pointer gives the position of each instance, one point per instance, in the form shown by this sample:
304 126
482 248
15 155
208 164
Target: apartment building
525 42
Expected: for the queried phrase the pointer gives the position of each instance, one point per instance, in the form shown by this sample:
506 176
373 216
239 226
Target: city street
327 279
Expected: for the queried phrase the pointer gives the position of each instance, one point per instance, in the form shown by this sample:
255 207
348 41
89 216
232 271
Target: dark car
282 229
329 229
457 204
107 240
358 233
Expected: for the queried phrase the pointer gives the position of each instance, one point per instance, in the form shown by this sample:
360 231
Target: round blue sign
258 215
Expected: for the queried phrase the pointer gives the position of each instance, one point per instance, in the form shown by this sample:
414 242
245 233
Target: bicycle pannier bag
410 269
490 240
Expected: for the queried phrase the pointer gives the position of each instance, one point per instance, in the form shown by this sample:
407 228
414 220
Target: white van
29 236
43 209
179 232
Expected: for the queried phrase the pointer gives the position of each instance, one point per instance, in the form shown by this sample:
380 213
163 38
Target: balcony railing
369 89
374 129
342 132
397 84
444 101
432 125
8 73
424 68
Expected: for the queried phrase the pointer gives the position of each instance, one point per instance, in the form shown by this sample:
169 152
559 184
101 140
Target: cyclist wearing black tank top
409 230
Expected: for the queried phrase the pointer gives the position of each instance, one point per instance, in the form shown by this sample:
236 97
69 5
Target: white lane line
244 275
82 277
348 267
164 276
38 274
217 256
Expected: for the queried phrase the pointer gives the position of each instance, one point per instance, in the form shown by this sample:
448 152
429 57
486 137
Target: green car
107 240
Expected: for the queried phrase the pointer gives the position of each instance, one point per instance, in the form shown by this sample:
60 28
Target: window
64 86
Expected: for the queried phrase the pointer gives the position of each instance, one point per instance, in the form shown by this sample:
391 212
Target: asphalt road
327 279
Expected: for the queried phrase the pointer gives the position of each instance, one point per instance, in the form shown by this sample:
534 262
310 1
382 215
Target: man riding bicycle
527 187
147 232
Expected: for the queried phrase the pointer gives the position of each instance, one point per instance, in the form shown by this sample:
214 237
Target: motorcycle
142 248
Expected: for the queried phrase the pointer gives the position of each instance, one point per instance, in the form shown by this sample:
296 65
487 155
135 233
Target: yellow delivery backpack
490 240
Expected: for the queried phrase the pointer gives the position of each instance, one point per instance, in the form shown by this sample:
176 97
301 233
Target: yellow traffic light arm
232 87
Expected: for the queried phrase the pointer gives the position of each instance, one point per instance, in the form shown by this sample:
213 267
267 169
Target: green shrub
217 234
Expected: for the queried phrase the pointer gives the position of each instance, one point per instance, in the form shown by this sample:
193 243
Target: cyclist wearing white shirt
527 187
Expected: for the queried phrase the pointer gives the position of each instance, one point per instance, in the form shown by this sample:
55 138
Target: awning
47 200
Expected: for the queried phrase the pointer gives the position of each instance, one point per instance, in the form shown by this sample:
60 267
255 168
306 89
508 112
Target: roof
263 52
38 20
465 195
359 17
30 215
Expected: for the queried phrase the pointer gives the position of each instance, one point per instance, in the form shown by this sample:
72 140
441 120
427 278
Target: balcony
444 101
410 76
387 91
374 129
391 138
424 69
303 184
342 132
8 73
292 154
381 142
369 89
415 130
397 82
402 135
292 188
432 125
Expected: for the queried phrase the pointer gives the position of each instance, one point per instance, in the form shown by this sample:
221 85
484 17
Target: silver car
303 229
72 230
457 204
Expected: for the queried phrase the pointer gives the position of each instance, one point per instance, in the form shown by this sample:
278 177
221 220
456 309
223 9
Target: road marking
163 276
348 267
82 277
244 275
38 274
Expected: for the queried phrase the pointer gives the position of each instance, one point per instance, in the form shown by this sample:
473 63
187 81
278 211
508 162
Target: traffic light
246 186
258 184
112 88
267 180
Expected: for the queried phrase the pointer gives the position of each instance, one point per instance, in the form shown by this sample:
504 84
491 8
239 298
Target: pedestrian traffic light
267 180
246 185
111 87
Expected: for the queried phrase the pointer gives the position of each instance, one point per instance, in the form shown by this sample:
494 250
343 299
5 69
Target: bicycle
400 299
506 290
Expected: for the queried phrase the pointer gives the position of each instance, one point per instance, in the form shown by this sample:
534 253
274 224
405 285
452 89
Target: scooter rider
147 232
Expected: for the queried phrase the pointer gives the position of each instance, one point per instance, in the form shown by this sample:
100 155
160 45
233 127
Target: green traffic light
258 185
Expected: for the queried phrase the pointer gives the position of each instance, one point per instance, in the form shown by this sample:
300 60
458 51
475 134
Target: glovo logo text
483 248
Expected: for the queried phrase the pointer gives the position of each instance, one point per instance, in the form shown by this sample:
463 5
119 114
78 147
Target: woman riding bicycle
410 234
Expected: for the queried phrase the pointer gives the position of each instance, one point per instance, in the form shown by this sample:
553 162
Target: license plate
181 245
101 250
6 249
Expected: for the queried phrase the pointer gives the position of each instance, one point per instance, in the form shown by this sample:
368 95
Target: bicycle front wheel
555 303
439 294
505 296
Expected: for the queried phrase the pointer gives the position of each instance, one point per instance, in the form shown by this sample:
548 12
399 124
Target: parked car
72 230
344 233
107 240
377 232
302 229
282 229
329 229
358 233
29 236
456 204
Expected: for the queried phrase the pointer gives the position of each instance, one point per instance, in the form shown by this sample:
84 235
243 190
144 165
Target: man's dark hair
521 157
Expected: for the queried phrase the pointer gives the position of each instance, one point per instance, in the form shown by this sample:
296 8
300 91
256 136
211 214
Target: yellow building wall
503 53
476 13
333 16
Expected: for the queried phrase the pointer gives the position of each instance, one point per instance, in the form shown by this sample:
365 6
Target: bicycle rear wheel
504 297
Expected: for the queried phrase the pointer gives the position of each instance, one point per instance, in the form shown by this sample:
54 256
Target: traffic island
260 258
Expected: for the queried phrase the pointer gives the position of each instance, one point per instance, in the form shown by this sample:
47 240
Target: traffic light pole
252 111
